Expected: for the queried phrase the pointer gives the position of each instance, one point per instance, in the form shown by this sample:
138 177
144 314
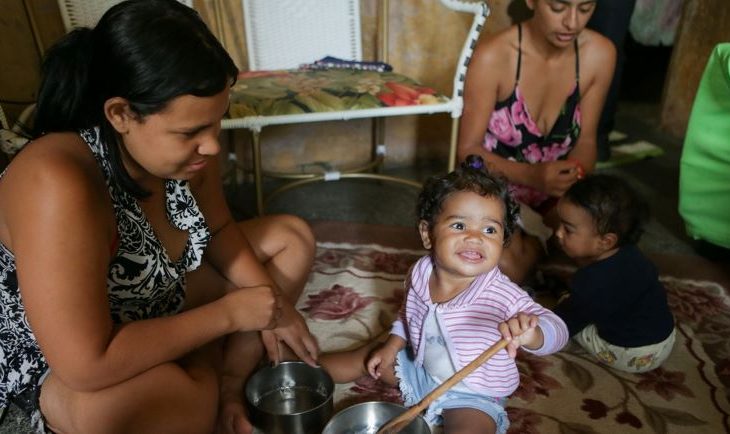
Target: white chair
14 137
283 34
86 13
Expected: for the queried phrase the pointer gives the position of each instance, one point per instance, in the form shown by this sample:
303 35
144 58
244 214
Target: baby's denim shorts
415 383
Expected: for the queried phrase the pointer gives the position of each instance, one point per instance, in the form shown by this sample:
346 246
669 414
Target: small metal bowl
290 398
369 417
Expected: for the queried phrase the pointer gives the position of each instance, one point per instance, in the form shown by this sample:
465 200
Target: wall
20 52
704 24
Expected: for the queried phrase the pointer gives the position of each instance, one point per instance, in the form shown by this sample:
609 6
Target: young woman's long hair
146 51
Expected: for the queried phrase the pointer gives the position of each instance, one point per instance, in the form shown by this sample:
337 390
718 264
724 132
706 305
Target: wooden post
704 24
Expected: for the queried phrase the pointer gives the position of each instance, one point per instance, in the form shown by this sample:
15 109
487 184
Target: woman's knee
272 235
298 231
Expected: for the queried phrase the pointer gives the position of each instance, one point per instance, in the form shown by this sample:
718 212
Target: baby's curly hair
473 176
613 205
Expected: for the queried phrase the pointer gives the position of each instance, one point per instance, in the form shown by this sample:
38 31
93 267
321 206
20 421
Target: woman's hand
521 330
556 177
291 329
255 307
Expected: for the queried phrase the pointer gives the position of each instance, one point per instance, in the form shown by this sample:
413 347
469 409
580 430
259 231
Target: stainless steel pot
369 417
291 398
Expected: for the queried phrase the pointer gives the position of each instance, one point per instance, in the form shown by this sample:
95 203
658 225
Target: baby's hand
521 329
378 360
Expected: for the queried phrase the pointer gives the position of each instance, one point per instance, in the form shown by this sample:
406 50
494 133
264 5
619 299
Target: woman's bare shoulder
596 50
54 179
496 49
58 160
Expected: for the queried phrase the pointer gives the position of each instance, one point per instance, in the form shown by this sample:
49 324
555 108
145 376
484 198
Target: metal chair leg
453 142
257 171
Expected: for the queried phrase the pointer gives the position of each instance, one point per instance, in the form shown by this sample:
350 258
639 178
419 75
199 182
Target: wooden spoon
396 424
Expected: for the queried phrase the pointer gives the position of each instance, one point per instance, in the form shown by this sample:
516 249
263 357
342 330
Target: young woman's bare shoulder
496 49
54 179
57 162
596 50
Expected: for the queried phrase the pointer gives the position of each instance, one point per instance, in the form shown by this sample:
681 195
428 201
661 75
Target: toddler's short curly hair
473 176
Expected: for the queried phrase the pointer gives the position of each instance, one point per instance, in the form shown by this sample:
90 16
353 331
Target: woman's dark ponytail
63 97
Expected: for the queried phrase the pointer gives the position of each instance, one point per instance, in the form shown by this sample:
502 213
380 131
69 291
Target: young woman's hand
556 177
521 330
293 331
255 307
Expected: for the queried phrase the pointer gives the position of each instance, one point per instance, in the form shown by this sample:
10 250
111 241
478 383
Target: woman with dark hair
532 101
131 299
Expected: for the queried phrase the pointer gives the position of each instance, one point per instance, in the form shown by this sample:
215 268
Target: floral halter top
513 134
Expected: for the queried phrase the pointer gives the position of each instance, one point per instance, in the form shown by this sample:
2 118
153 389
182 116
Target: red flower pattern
628 418
533 377
693 303
595 409
370 389
331 258
700 309
666 384
336 303
385 262
523 421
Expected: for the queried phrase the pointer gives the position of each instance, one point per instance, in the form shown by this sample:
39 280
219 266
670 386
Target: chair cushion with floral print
287 92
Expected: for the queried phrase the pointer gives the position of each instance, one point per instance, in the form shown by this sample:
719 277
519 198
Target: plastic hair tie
476 164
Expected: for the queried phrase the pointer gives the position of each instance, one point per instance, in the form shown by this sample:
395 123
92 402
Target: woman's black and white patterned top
142 282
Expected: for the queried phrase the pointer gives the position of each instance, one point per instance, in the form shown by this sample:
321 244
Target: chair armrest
480 10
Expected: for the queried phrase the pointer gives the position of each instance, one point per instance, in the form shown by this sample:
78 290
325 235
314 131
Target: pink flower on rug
332 258
523 421
533 378
373 390
337 303
392 263
665 383
628 418
692 303
595 409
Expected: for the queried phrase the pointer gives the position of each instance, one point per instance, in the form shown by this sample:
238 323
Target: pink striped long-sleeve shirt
469 323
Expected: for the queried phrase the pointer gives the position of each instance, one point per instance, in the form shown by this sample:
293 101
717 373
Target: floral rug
355 290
